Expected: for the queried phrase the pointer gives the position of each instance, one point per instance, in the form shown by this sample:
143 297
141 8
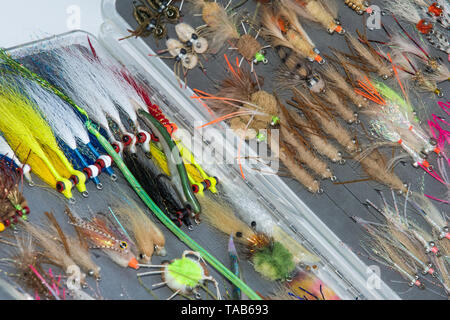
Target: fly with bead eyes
164 8
191 39
185 54
149 23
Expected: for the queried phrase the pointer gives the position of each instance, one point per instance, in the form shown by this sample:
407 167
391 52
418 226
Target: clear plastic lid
340 268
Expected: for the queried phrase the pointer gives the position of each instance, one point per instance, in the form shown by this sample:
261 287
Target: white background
26 20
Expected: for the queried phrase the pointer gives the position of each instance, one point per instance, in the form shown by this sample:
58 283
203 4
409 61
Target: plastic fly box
294 210
322 220
340 267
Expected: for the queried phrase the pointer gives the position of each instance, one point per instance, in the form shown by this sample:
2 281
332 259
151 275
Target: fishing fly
359 6
165 8
179 176
185 59
282 28
372 162
52 249
396 122
184 275
252 109
149 23
8 155
336 80
338 102
397 232
431 214
293 73
97 83
29 271
75 247
293 138
198 178
263 113
444 272
322 12
270 258
242 216
368 56
34 272
13 205
21 126
396 244
221 25
318 141
387 255
58 113
438 10
102 236
188 35
414 62
147 236
321 115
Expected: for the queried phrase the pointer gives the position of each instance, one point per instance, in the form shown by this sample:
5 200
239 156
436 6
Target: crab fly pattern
250 48
184 275
190 38
252 110
185 59
149 23
221 25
